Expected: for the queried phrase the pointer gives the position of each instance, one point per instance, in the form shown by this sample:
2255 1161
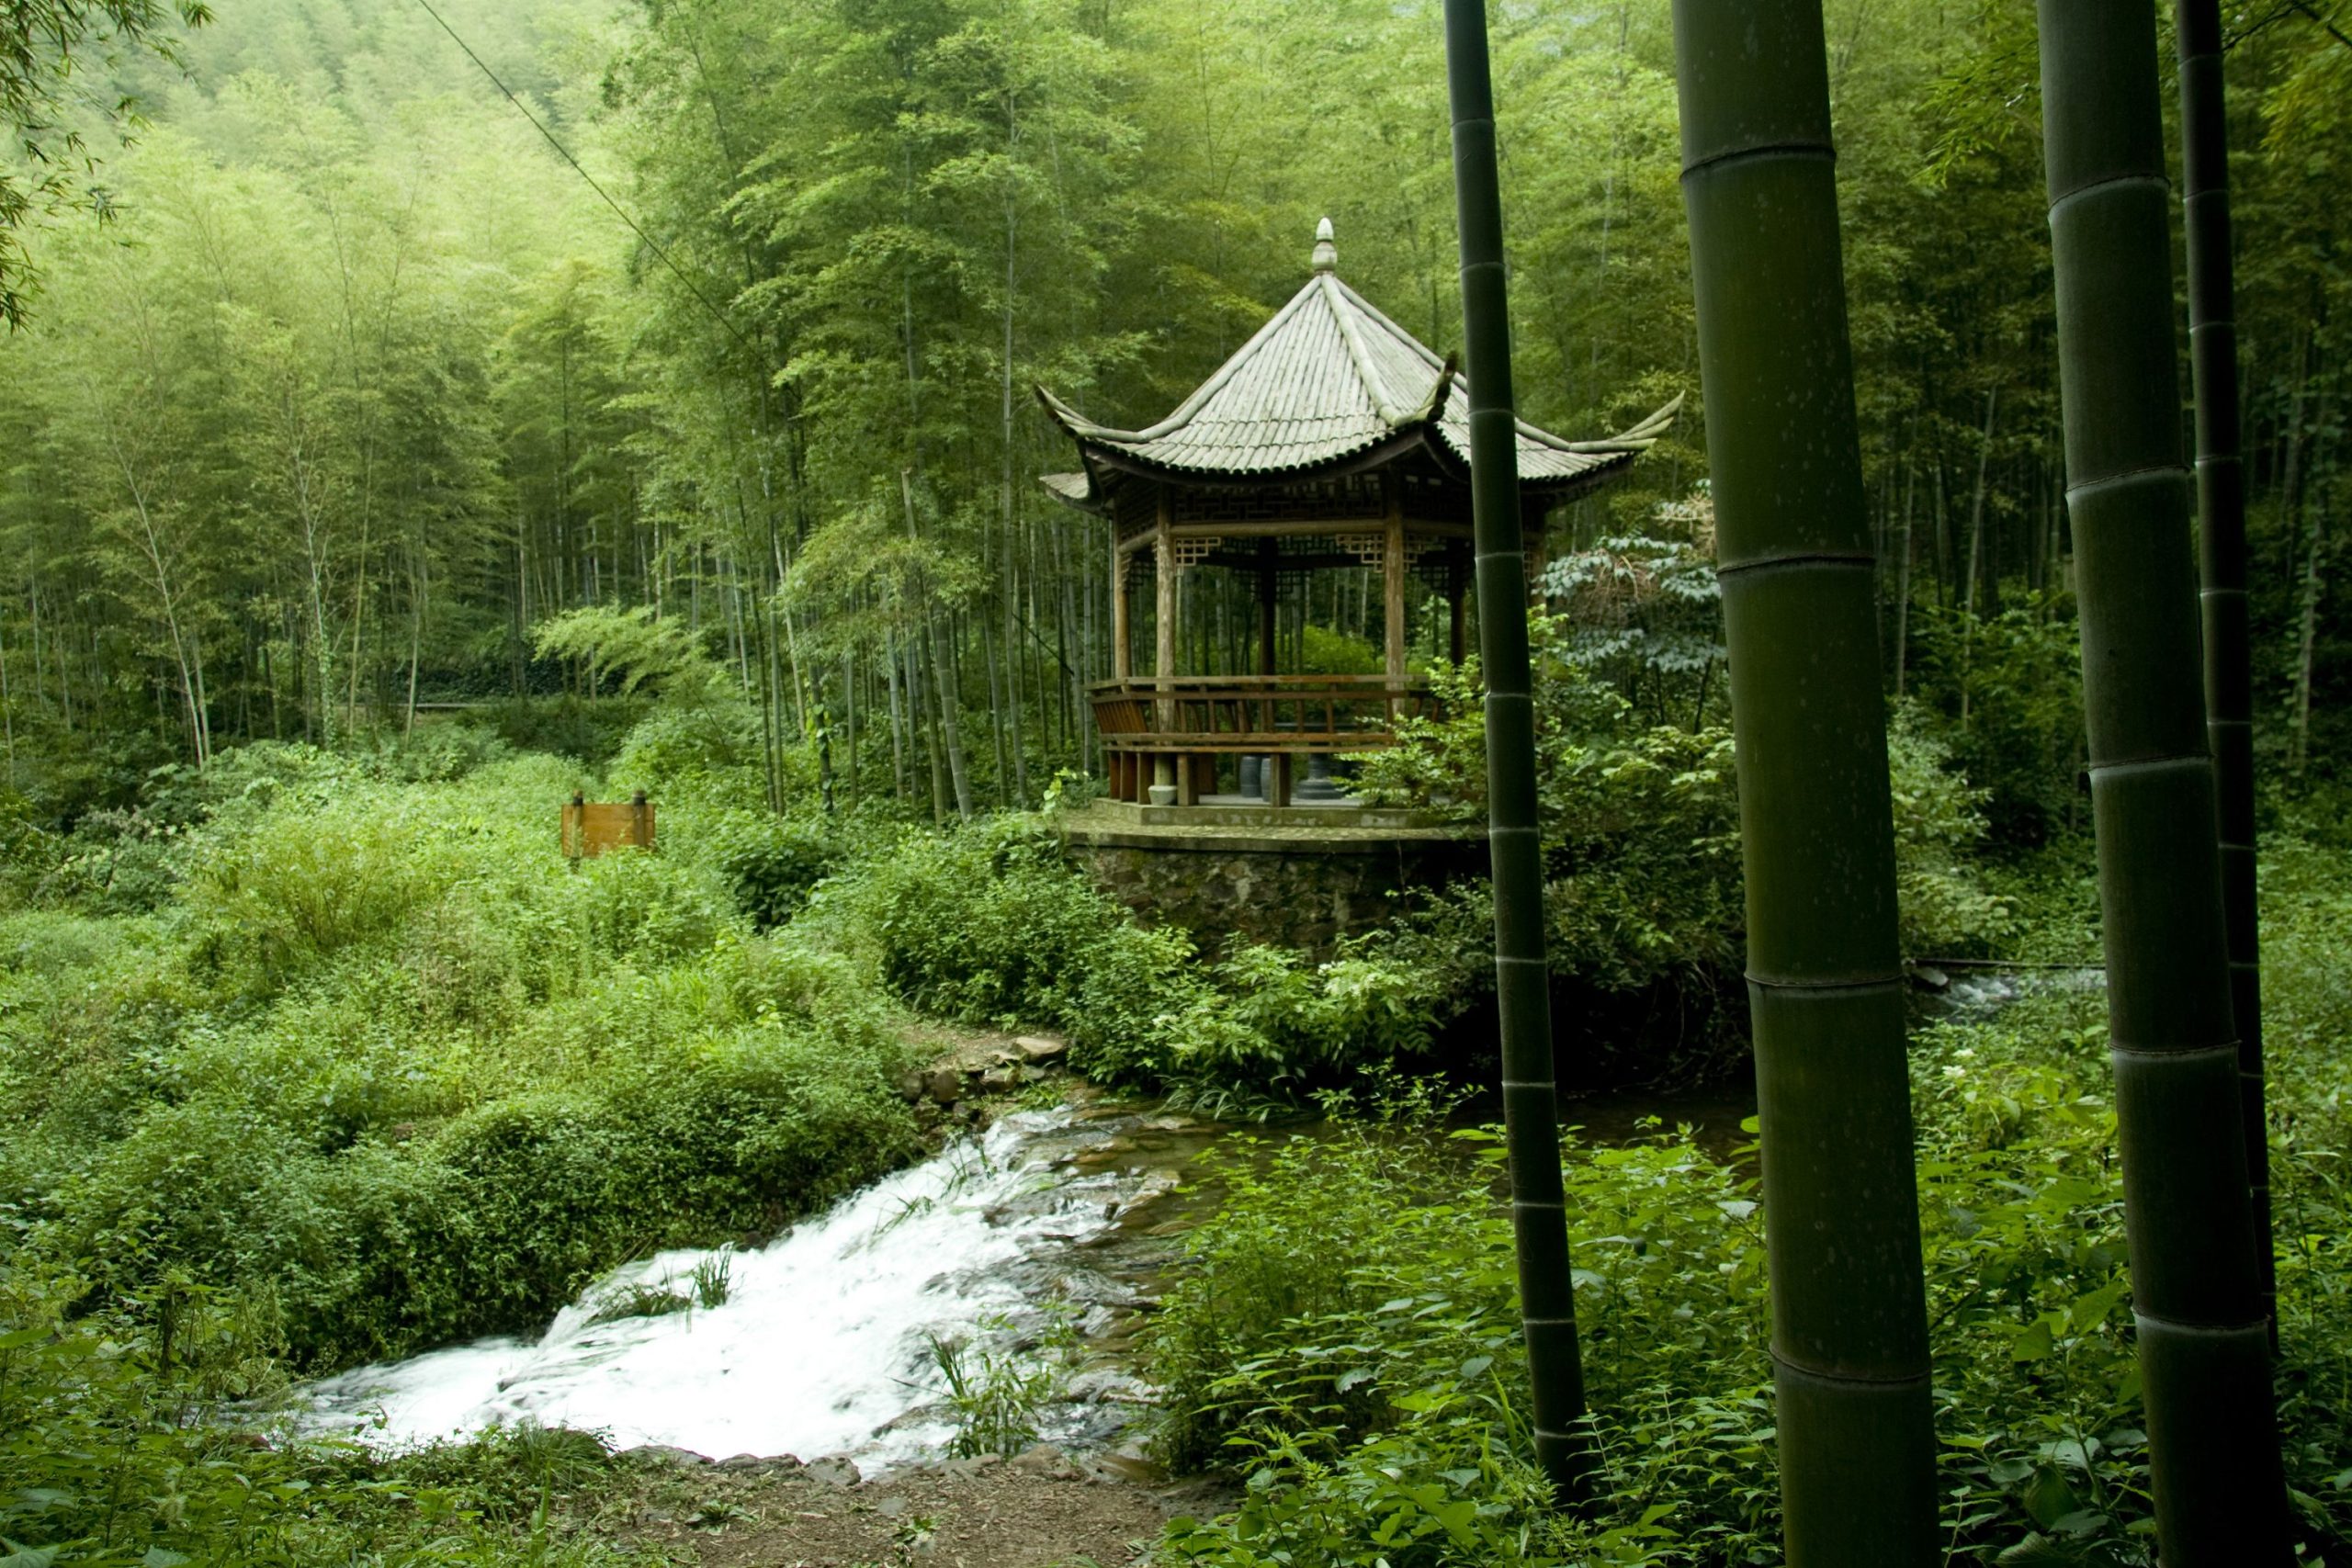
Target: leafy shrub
1644 904
1942 900
631 651
771 862
1346 1340
493 1220
1343 1336
297 887
2009 695
976 924
111 1452
589 732
389 1064
991 925
710 751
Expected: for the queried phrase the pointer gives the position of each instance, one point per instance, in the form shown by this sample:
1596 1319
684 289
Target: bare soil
1039 1510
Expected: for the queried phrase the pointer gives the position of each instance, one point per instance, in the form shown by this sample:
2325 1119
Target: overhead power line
565 153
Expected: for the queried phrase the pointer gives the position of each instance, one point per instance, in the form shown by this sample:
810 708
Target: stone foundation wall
1293 894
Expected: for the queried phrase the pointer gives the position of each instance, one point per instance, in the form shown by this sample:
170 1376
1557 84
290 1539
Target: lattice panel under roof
1295 555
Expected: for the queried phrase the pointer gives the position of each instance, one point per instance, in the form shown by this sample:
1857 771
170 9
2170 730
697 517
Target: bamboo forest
1175 783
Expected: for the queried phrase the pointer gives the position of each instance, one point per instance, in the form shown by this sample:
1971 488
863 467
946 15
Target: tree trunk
2203 1342
1975 559
946 682
996 706
1903 582
1522 978
2221 505
898 719
1850 1330
2313 584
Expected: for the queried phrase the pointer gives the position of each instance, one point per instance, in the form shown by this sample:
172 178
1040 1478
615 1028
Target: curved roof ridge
1328 381
1374 382
1183 413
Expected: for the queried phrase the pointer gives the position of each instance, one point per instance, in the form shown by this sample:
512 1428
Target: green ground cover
1346 1342
321 1058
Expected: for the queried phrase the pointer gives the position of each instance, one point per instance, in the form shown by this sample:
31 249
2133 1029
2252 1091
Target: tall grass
381 1060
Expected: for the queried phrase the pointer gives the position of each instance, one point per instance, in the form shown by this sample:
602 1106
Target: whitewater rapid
824 1343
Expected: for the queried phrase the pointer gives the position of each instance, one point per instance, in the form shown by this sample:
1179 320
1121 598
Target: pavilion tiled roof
1328 380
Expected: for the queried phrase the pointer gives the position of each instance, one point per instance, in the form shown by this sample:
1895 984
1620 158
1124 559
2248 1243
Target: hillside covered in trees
414 416
362 387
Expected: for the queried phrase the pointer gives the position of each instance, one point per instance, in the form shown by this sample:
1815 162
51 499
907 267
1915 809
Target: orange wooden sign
590 827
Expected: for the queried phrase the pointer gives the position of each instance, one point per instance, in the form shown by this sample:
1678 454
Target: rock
997 1079
1040 1047
944 1085
890 1507
832 1470
911 1085
762 1462
1047 1461
1032 1075
662 1453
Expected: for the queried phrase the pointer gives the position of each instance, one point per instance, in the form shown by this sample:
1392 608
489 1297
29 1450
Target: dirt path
1035 1511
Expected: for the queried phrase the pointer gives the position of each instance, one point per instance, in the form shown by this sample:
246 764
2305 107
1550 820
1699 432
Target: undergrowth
1344 1340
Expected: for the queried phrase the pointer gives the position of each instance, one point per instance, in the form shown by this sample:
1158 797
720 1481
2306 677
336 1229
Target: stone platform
1300 876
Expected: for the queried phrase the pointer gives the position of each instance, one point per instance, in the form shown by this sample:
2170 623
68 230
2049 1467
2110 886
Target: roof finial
1327 254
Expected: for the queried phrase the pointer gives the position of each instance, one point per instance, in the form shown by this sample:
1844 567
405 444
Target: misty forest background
362 386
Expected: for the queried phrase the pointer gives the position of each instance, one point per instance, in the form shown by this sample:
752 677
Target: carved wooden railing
1194 720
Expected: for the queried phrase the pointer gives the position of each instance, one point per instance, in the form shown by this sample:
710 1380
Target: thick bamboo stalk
2220 507
2203 1342
1523 988
1850 1339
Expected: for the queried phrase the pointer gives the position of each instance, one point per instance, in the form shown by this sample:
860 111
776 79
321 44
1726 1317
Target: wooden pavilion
1332 439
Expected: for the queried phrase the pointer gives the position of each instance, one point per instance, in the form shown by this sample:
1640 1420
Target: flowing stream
1042 1227
1053 1227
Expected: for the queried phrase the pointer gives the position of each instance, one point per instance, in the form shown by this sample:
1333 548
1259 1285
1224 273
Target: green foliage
1945 904
40 45
1323 651
2007 705
590 732
111 1452
773 863
997 1388
1347 1341
632 650
389 1065
707 752
1643 896
1645 612
1343 1336
991 925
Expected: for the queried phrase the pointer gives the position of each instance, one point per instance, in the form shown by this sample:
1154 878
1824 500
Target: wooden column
1392 565
1539 551
1457 593
1163 556
1267 554
1123 652
1163 661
